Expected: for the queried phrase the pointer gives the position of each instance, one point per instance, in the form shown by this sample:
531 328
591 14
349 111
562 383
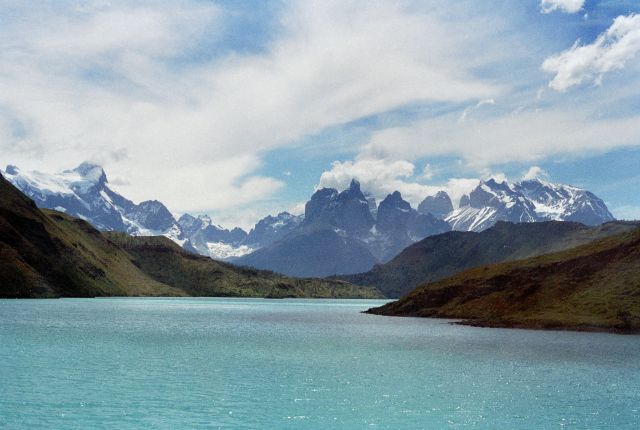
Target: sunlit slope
592 287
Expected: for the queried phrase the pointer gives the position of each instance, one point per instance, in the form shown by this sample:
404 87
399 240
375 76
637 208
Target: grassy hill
166 262
591 287
444 255
45 253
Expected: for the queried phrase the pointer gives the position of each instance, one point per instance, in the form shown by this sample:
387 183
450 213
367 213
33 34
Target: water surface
299 364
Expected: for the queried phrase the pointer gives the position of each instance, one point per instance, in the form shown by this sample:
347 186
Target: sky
240 108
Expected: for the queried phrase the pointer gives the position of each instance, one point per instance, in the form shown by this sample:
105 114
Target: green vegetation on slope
441 256
592 287
166 262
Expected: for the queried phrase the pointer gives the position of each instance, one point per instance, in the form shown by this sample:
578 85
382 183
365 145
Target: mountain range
84 192
46 253
339 233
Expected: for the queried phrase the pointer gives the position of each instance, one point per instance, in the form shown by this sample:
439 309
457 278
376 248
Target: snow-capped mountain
564 202
272 228
527 201
84 192
211 239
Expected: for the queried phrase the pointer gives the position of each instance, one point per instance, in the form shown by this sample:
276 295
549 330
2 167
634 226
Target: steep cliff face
439 205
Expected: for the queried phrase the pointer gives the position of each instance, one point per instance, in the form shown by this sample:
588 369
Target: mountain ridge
592 287
443 255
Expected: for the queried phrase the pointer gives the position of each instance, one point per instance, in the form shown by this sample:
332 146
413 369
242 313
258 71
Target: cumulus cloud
80 82
568 6
428 171
588 63
535 172
378 177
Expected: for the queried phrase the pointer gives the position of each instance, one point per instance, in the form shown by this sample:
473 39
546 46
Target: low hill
444 255
46 253
166 262
591 287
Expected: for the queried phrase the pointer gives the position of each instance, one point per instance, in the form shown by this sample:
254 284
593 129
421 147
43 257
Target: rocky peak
394 213
189 224
439 205
493 194
348 210
272 228
152 215
564 202
321 201
91 172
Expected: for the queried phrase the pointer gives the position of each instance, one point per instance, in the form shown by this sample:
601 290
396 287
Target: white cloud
428 171
378 177
477 106
487 173
535 172
568 6
80 82
610 51
525 136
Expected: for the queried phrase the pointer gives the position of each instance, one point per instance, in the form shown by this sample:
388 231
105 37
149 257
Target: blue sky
243 108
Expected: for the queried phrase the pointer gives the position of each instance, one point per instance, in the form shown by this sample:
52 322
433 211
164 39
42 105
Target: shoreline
540 326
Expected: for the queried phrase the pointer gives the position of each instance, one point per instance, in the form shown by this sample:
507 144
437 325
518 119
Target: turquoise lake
299 364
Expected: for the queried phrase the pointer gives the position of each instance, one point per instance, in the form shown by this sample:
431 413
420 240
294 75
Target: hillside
444 255
592 287
166 262
49 254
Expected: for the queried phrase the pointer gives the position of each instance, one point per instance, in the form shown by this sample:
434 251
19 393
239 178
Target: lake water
299 364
